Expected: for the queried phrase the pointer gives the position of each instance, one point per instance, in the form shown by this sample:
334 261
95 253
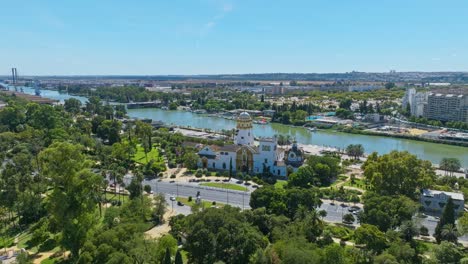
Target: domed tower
244 133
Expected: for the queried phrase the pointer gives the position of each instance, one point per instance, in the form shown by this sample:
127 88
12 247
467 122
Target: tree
173 106
230 168
371 236
71 204
355 151
398 173
318 171
463 223
408 230
447 218
109 130
344 113
147 188
190 160
144 132
178 258
450 233
389 85
385 258
220 235
387 212
72 105
346 103
135 188
167 257
450 165
333 254
348 218
447 252
403 252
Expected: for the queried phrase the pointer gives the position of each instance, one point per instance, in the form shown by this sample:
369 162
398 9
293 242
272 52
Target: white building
248 156
435 201
416 100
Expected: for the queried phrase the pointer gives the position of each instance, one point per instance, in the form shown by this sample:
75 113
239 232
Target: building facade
248 156
435 201
416 100
447 107
437 106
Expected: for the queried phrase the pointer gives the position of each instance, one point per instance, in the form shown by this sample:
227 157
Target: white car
172 198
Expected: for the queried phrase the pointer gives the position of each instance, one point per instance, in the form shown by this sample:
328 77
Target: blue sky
228 36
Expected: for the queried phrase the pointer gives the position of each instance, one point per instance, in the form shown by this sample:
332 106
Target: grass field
140 156
229 186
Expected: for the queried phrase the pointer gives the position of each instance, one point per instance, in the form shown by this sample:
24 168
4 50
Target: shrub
173 176
190 198
213 203
424 231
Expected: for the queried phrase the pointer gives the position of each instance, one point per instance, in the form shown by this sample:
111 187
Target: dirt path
160 230
42 256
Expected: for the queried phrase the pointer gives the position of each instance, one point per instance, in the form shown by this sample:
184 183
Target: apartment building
447 107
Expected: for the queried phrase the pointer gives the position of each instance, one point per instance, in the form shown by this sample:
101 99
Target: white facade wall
244 137
265 156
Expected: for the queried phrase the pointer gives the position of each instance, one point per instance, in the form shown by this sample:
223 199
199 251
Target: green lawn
358 183
140 156
112 196
206 204
280 184
229 186
341 178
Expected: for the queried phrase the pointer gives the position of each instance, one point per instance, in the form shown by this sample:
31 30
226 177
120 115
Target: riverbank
410 137
431 151
352 130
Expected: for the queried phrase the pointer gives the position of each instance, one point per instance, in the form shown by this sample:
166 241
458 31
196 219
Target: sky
154 37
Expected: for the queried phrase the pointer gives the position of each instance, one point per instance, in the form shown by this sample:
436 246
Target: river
424 150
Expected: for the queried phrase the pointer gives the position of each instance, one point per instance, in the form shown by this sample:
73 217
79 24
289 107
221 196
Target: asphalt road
241 199
234 198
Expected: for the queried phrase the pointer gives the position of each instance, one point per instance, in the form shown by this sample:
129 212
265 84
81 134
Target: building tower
244 133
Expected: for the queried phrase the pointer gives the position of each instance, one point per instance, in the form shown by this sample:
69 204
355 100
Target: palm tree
301 212
450 233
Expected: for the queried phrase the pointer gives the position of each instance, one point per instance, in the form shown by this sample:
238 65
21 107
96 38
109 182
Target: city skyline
232 37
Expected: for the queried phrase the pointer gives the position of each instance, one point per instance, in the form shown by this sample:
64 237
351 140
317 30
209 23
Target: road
241 199
234 198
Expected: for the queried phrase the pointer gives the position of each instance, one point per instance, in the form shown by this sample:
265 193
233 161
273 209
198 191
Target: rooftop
432 193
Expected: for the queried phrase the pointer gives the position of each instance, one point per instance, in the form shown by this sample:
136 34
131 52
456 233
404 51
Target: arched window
224 165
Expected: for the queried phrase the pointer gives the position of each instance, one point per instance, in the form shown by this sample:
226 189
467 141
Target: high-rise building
447 107
416 100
